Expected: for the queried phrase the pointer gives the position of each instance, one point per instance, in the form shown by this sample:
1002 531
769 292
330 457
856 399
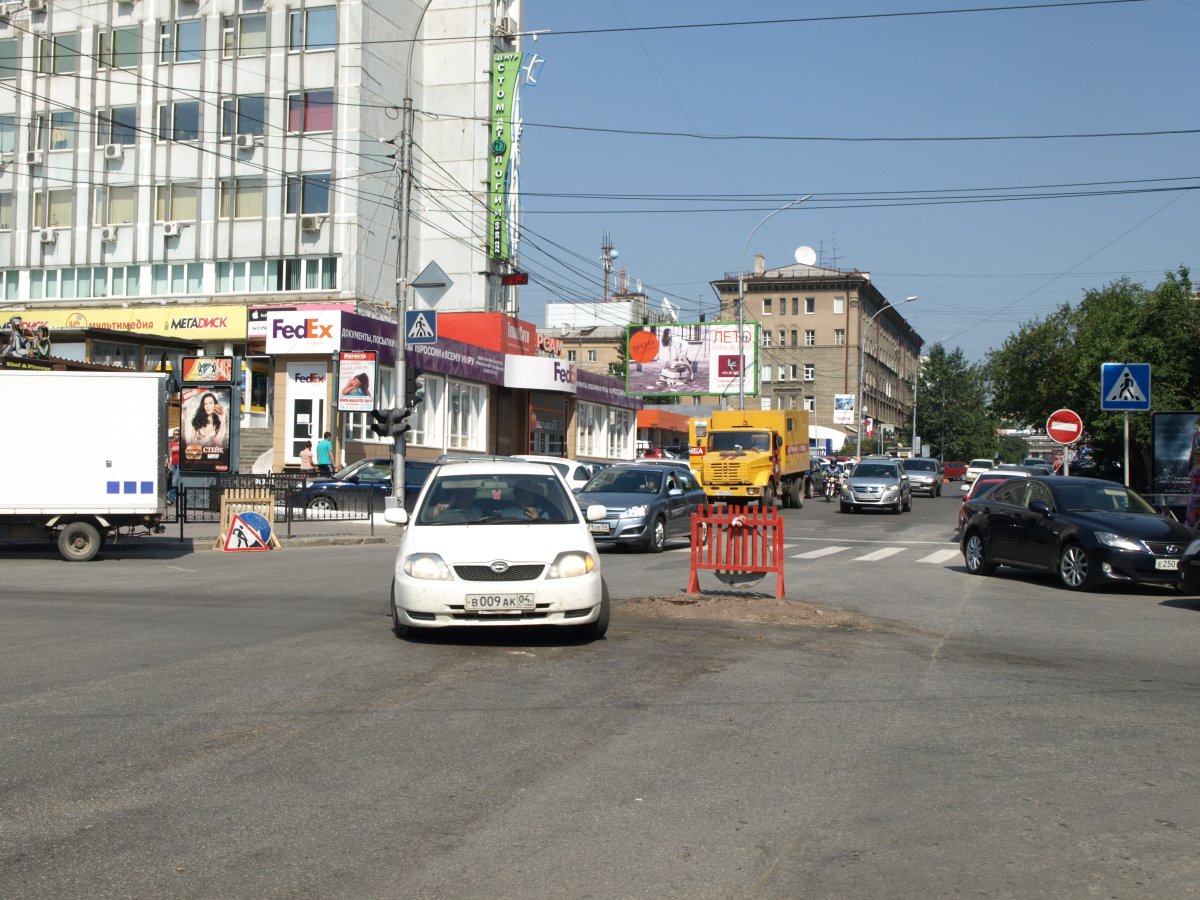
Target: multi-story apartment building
813 329
220 159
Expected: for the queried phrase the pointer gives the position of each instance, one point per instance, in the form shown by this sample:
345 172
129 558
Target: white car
575 474
497 543
975 466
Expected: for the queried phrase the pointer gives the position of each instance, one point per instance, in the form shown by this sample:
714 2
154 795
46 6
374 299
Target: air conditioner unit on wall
246 141
48 235
38 5
311 223
172 229
108 234
113 151
33 157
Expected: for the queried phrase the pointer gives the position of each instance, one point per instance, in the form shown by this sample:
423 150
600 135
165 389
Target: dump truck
752 455
84 458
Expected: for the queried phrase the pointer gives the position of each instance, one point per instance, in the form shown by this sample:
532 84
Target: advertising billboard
691 358
843 409
204 427
356 377
1176 437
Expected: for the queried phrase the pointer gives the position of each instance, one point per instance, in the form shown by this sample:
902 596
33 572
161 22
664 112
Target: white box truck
82 456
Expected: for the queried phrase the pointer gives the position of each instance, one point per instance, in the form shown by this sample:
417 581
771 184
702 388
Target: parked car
975 466
954 471
645 505
981 486
497 543
1037 461
1189 568
576 474
343 490
924 475
1086 530
876 483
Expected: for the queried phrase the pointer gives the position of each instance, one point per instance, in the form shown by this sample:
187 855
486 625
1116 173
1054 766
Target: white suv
975 467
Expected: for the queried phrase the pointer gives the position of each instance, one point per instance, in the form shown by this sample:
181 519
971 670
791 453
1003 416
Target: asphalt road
246 725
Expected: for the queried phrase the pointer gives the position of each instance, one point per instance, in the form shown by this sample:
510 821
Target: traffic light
414 388
390 422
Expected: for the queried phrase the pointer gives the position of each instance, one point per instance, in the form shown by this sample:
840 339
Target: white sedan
497 543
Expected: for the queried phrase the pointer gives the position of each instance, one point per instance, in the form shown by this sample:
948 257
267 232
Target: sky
875 108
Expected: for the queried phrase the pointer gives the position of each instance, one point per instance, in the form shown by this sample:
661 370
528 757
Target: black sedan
1085 530
344 491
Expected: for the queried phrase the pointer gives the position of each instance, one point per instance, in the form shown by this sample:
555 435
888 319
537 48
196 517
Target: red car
954 471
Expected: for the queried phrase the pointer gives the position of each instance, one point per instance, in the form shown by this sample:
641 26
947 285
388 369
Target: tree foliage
953 414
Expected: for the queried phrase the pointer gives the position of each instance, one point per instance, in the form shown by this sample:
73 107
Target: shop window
427 421
466 409
621 428
590 423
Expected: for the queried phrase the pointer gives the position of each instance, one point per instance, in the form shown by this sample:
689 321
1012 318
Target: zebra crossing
937 557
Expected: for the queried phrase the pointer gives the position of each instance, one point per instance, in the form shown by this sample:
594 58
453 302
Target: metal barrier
737 540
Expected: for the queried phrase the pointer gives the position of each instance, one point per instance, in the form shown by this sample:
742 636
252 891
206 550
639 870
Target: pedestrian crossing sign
1125 386
420 326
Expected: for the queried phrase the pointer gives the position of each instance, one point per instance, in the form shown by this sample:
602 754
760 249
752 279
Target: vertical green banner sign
505 69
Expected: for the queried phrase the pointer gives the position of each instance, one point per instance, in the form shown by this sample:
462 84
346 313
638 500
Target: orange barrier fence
737 540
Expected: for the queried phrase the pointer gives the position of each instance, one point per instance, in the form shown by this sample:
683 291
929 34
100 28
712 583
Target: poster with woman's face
204 429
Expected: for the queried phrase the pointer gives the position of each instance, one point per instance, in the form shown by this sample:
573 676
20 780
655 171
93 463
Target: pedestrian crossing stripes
936 558
816 554
883 553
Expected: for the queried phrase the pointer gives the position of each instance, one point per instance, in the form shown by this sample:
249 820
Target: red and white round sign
1064 426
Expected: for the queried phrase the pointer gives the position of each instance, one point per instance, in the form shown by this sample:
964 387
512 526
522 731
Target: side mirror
395 516
595 512
674 492
1042 508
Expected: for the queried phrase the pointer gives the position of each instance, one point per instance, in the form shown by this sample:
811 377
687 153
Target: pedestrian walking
325 455
307 466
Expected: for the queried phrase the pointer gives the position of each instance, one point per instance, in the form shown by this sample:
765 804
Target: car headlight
427 566
1119 542
894 489
635 512
571 564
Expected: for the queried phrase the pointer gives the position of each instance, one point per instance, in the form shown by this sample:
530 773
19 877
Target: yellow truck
752 455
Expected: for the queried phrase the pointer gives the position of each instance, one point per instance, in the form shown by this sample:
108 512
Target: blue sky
979 268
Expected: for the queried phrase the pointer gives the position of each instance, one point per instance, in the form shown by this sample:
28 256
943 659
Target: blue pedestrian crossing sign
420 326
1125 386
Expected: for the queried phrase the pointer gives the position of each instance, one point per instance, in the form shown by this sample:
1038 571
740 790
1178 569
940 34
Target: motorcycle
831 485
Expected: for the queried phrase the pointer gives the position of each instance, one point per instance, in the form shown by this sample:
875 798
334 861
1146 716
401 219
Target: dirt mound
737 607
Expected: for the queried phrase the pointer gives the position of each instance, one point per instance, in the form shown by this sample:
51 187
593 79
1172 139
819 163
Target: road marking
799 537
824 551
940 556
879 554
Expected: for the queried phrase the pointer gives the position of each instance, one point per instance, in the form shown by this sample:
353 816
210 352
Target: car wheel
808 489
976 557
594 631
908 504
769 498
658 536
79 541
1075 569
845 507
322 503
798 493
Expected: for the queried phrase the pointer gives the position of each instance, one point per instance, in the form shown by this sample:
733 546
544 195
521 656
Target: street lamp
860 401
742 301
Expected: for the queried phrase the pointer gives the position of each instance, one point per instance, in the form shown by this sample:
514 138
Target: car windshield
874 470
1080 497
920 465
980 464
624 481
491 499
739 440
355 468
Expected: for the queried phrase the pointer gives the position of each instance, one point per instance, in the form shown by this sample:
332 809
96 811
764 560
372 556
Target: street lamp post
860 401
916 383
742 301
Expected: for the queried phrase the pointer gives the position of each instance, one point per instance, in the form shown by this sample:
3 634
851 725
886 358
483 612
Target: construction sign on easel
249 531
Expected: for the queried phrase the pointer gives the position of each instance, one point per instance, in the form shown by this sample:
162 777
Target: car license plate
600 528
497 602
1171 564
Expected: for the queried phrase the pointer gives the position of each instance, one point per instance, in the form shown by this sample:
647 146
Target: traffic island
754 609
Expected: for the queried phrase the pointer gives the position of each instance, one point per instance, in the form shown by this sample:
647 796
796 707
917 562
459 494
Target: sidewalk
200 536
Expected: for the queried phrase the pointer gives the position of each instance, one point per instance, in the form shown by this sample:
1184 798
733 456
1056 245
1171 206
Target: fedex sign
303 331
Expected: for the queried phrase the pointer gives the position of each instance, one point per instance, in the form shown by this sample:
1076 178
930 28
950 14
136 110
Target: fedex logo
309 329
314 378
564 373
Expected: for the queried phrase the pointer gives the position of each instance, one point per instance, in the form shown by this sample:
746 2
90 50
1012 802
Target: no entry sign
1064 426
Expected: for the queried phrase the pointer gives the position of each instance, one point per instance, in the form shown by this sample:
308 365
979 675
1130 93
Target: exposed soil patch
743 607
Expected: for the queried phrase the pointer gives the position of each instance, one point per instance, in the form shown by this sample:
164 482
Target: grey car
877 484
924 475
644 505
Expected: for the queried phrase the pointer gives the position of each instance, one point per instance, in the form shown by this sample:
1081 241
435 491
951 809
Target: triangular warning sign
420 327
1125 389
242 536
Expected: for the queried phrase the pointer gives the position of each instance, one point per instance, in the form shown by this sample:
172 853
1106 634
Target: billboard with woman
205 428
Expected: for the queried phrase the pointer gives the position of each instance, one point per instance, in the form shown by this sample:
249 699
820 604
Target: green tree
953 413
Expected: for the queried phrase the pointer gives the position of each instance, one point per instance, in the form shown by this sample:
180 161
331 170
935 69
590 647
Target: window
181 42
427 420
307 194
8 134
6 210
795 306
242 198
810 404
11 283
766 338
310 111
312 29
781 373
620 433
115 205
117 126
62 131
591 356
810 305
101 281
119 48
810 337
766 306
243 36
243 115
570 356
810 372
58 55
10 58
795 338
175 203
179 121
795 374
766 374
466 408
54 209
839 306
839 336
179 278
589 429
782 338
273 275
